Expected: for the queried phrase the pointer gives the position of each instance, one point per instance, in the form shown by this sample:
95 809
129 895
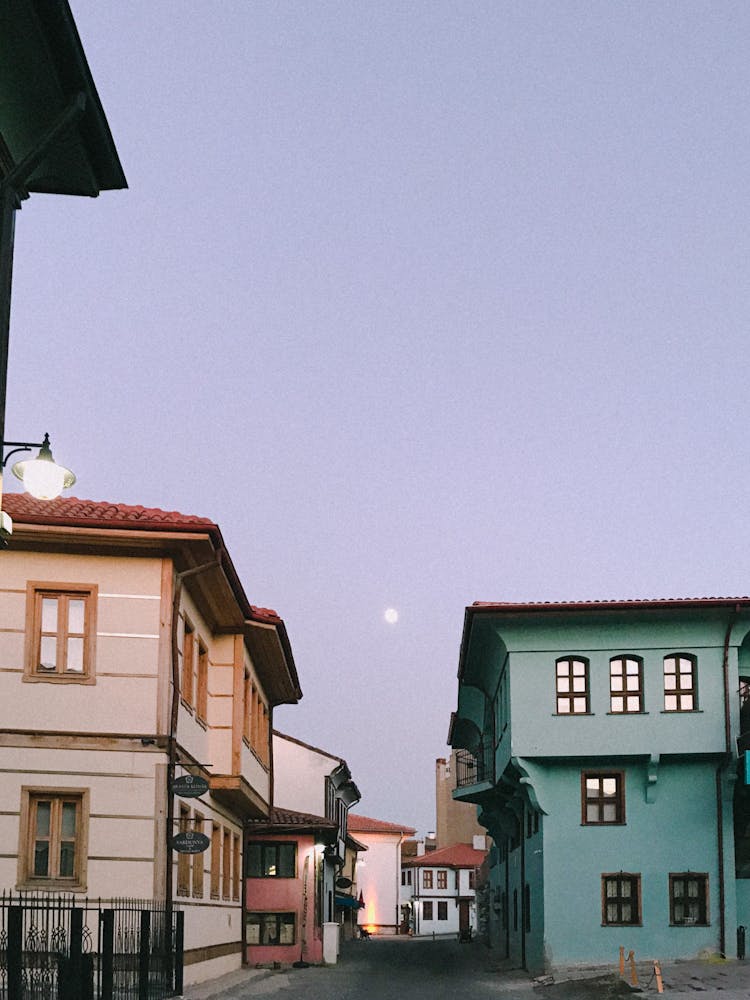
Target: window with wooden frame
53 842
688 899
621 899
427 910
271 859
60 632
680 693
442 909
201 696
572 686
602 798
625 685
427 878
442 879
188 664
235 866
183 860
215 860
247 713
226 859
196 860
270 928
472 878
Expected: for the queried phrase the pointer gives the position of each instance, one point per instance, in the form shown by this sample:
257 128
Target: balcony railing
474 768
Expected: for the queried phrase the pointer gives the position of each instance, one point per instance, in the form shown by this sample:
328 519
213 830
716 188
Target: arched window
572 686
625 684
680 683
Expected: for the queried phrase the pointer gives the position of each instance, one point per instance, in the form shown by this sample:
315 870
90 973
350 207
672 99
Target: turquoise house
602 743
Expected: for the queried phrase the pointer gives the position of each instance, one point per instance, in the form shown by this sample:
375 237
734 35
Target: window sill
50 885
688 926
571 715
620 822
51 678
681 711
628 713
639 924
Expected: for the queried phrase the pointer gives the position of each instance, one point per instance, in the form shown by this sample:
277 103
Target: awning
348 902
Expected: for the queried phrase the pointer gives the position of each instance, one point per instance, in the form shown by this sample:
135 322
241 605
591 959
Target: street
388 969
423 969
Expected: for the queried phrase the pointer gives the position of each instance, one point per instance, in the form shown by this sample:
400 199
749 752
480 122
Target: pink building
284 887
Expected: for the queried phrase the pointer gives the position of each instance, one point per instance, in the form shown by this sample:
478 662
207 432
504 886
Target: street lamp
42 477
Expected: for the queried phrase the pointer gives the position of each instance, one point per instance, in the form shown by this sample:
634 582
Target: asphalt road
391 969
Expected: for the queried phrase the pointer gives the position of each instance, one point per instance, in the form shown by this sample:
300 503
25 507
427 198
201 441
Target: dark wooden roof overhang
44 79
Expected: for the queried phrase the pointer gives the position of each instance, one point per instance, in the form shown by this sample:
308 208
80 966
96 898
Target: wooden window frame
197 872
680 692
703 899
265 845
30 798
442 878
565 686
427 910
189 641
620 899
247 692
201 695
183 860
36 590
442 909
259 917
600 800
427 879
235 866
226 864
625 693
215 860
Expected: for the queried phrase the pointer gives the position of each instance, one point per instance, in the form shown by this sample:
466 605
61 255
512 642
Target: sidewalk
215 987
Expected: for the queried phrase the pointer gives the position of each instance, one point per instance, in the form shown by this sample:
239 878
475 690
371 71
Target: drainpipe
719 792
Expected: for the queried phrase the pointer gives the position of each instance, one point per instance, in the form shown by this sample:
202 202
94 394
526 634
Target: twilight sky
423 303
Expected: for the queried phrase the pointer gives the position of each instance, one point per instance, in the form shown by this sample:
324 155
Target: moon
391 616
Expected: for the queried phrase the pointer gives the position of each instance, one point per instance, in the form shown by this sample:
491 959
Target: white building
438 890
130 655
379 872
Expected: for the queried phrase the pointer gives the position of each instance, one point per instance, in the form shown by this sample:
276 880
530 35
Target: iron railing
60 947
474 768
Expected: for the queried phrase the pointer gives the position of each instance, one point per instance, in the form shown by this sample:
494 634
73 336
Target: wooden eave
236 793
271 654
43 67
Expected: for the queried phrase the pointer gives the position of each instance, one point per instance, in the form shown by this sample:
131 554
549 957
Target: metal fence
473 768
59 947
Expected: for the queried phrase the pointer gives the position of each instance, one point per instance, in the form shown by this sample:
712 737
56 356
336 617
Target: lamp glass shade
43 480
42 477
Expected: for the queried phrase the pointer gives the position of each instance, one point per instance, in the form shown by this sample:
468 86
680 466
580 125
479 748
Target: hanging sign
342 882
190 842
189 786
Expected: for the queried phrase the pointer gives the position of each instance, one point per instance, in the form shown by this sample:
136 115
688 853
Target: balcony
475 768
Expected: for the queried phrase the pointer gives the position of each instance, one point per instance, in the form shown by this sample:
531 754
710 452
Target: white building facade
438 890
379 873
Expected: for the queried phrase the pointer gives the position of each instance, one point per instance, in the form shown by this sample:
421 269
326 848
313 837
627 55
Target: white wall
379 880
299 774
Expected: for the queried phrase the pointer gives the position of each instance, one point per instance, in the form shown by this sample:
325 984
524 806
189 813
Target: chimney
479 842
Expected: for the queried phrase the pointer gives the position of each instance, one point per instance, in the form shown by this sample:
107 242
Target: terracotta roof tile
292 818
364 824
71 511
607 603
455 856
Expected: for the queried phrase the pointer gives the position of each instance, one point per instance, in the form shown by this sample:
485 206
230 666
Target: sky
423 303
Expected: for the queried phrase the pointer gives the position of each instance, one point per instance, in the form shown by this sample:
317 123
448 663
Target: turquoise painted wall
677 832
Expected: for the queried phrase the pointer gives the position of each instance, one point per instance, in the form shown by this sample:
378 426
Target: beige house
130 656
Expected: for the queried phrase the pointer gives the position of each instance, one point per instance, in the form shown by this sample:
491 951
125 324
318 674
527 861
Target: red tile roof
606 604
75 513
455 856
291 818
364 824
95 513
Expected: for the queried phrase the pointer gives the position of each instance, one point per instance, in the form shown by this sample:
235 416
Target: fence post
74 977
107 918
179 950
15 952
144 955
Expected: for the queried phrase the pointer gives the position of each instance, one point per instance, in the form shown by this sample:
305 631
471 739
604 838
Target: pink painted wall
286 895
